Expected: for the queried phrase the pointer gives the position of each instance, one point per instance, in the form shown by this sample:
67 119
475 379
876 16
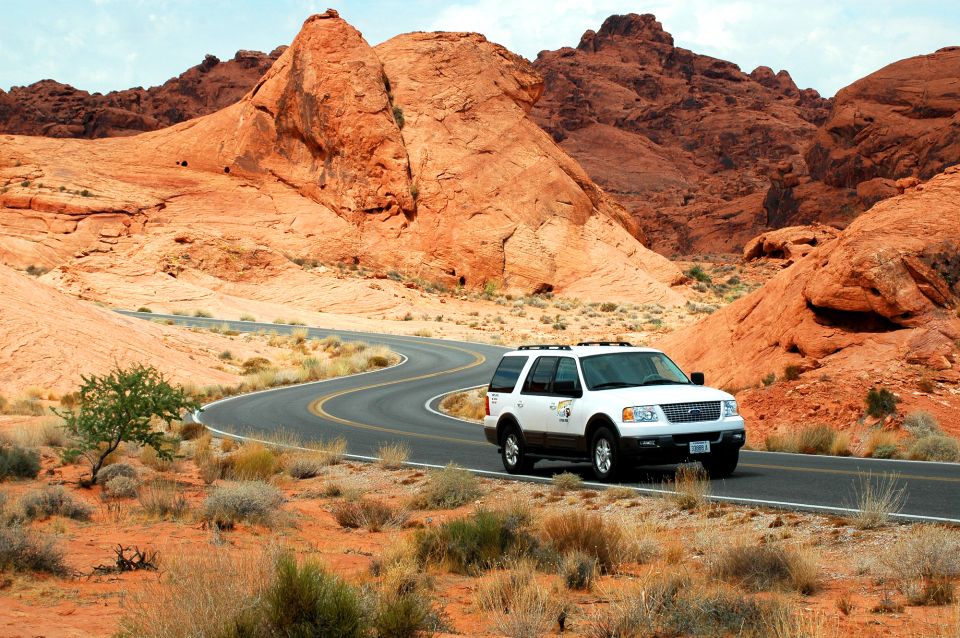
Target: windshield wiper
664 382
613 384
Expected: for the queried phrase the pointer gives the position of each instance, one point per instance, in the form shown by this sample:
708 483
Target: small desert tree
123 405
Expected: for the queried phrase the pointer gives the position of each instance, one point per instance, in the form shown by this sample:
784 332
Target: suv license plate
699 447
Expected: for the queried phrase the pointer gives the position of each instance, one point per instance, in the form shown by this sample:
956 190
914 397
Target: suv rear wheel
513 452
721 464
604 455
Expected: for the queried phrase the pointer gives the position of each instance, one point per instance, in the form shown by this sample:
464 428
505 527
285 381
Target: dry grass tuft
23 550
369 514
162 498
450 487
53 501
48 431
566 481
587 533
252 502
925 562
254 462
876 499
305 466
393 456
520 607
200 594
691 485
470 405
767 566
881 444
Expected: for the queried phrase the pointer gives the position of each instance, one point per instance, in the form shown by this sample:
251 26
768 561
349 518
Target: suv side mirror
697 378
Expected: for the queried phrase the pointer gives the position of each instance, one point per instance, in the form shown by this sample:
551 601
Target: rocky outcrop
788 243
683 140
901 122
417 156
883 294
53 109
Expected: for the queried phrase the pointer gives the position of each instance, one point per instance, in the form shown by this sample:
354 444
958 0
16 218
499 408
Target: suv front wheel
513 452
604 455
721 464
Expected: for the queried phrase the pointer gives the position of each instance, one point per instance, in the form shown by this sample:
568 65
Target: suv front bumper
675 448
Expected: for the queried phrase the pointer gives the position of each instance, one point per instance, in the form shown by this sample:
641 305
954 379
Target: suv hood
662 394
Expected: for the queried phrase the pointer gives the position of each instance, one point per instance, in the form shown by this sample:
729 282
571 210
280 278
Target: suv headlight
730 408
640 414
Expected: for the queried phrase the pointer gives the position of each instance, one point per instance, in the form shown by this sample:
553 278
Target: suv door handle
553 406
519 404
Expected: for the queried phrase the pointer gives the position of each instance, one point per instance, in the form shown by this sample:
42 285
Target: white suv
611 403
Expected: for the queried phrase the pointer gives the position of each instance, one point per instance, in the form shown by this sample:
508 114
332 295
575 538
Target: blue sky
101 45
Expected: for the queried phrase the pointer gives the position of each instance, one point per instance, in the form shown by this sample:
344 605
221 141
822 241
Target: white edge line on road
865 458
443 394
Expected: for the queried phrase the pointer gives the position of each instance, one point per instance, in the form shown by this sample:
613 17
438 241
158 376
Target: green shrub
53 501
881 402
406 615
23 551
697 272
935 448
448 488
770 379
791 373
18 462
248 501
144 309
478 542
398 117
309 601
124 405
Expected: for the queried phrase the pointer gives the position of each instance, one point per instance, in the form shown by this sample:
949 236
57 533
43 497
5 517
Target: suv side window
566 381
540 376
507 374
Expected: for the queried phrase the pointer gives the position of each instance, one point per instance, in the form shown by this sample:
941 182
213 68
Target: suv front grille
692 412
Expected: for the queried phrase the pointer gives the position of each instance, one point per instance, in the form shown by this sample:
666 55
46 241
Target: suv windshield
626 369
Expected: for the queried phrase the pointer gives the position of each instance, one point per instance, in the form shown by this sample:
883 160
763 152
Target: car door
564 421
534 401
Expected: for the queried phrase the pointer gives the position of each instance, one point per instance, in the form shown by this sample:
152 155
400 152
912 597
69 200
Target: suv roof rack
624 344
547 346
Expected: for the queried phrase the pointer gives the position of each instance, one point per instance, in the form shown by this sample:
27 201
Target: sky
103 45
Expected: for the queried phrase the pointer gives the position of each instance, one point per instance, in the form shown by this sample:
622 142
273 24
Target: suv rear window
507 374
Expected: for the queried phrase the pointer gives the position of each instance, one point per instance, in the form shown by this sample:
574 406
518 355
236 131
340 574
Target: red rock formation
902 121
683 140
878 303
788 243
468 191
58 110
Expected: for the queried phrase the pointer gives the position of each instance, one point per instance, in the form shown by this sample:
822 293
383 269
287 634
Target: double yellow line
317 407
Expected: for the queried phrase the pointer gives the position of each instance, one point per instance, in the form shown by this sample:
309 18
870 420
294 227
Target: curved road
399 404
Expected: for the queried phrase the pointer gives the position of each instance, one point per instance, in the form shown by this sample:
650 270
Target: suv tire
604 454
721 464
513 451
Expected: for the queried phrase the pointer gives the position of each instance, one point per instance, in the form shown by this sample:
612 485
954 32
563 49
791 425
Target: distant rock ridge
684 141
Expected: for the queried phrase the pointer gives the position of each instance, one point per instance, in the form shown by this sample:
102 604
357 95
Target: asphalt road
399 404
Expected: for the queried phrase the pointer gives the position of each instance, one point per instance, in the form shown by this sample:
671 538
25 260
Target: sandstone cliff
417 156
899 123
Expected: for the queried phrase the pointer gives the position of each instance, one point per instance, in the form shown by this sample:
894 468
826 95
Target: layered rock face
683 140
884 294
417 156
53 109
899 123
